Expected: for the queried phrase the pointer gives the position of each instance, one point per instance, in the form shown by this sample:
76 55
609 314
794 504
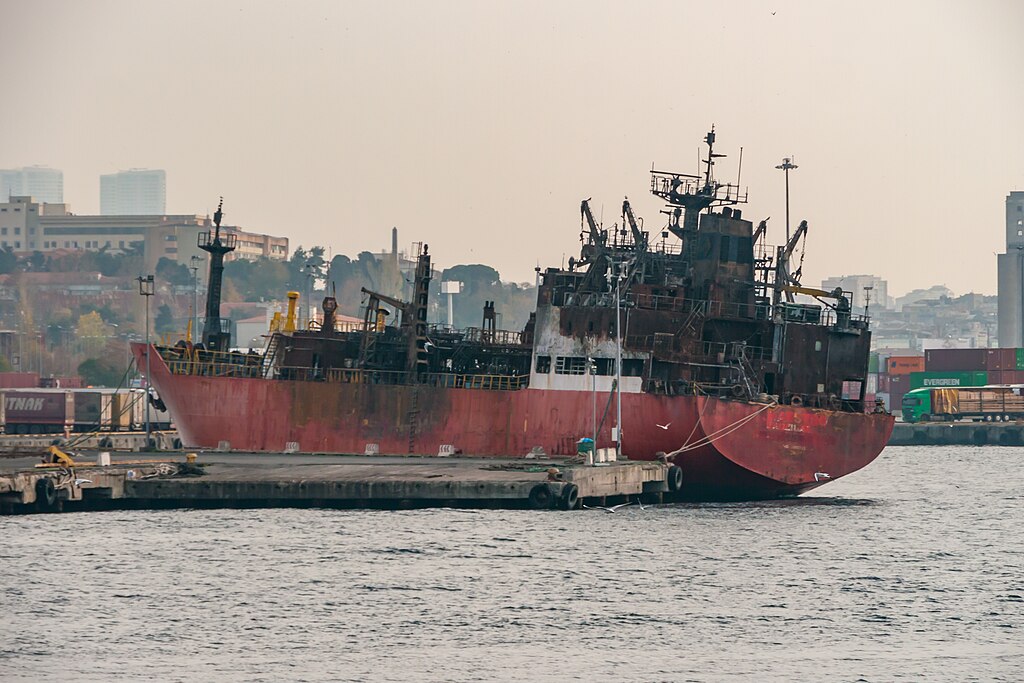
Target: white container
104 459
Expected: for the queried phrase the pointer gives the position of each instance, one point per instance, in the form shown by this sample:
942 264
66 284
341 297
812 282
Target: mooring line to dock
709 439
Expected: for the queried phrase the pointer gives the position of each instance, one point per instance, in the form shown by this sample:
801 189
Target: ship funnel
293 302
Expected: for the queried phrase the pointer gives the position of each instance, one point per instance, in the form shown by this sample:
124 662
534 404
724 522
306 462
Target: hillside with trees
76 311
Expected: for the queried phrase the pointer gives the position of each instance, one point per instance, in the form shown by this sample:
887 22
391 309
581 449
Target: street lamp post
618 362
308 271
146 289
786 166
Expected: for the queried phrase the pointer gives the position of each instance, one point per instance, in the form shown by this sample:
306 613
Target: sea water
912 569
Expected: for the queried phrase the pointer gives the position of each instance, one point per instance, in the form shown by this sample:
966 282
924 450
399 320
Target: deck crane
761 228
784 278
639 238
596 234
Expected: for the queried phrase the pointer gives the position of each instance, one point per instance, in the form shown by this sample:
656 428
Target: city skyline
479 130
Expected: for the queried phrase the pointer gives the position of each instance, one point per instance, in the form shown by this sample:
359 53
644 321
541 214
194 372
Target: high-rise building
138 192
39 182
1011 275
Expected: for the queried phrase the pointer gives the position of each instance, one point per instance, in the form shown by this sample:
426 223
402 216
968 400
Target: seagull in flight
613 508
664 426
818 476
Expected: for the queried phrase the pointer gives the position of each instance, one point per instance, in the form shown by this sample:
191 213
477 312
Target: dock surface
958 434
233 480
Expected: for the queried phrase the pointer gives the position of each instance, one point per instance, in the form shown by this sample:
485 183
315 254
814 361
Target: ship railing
499 337
725 351
185 360
737 311
485 382
659 302
710 309
436 379
692 348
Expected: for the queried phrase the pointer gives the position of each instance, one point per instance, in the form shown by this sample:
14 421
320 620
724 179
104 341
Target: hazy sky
479 126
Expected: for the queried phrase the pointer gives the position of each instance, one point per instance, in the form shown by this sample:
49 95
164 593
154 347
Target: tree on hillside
8 261
91 332
173 272
482 283
164 322
262 279
36 262
101 372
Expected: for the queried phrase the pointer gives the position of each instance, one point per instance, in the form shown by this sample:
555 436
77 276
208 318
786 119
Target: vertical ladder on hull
414 410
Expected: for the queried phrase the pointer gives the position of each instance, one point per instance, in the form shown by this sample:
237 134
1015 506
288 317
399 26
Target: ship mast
216 334
689 194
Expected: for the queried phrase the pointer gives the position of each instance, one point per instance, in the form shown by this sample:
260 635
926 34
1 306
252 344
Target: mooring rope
708 439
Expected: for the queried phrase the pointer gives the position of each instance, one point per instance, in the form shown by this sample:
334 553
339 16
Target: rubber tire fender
674 477
540 497
46 493
570 496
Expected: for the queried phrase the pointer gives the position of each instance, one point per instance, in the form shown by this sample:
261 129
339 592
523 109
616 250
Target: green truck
948 404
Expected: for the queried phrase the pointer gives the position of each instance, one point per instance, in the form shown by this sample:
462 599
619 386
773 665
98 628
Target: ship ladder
746 371
413 414
694 320
270 354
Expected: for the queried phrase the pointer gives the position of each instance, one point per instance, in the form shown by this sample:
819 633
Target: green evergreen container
948 378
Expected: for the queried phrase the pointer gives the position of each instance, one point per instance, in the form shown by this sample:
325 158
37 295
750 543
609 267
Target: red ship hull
728 450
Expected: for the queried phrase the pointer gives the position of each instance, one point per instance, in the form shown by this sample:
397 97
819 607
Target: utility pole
786 166
618 362
592 364
146 289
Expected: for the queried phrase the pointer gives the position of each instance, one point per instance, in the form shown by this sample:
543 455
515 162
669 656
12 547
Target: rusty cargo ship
699 346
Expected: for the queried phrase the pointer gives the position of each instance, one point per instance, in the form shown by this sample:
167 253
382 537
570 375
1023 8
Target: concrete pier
14 444
244 481
958 434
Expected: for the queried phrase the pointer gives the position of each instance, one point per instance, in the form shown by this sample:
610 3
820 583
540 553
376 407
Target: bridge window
632 367
543 364
570 365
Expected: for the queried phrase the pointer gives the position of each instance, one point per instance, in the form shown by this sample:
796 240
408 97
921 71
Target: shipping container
931 378
994 360
88 410
39 411
1006 377
1020 358
955 359
1008 359
19 380
883 383
872 385
904 365
873 363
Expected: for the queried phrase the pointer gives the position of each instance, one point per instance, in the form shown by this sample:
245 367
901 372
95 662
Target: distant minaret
394 244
